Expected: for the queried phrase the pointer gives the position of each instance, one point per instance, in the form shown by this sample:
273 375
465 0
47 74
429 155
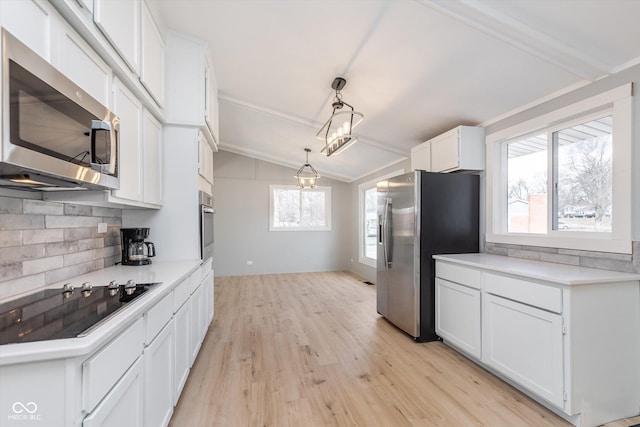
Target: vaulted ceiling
414 68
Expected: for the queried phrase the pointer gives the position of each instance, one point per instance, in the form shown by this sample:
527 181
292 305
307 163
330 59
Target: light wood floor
310 350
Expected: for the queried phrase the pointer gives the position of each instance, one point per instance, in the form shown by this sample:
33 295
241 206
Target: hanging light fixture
307 179
337 131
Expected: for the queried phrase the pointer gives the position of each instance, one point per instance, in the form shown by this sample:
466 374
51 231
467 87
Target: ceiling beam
312 124
236 149
490 21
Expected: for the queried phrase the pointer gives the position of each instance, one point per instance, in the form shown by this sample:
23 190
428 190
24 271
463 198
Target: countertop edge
559 273
40 351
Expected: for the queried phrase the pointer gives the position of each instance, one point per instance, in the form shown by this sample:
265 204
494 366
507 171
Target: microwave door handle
103 126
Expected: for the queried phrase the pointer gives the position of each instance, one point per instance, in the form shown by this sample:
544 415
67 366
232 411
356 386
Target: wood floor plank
309 349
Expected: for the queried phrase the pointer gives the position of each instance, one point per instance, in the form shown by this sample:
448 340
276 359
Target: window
368 223
292 208
563 179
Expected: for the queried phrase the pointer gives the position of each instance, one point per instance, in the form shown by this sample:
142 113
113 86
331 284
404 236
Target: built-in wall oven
54 134
206 225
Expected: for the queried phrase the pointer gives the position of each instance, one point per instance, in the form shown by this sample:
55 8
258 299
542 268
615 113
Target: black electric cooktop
63 313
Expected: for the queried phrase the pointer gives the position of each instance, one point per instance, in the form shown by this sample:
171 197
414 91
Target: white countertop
169 273
539 270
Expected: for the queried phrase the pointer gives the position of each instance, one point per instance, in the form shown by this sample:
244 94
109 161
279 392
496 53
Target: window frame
362 188
320 189
618 102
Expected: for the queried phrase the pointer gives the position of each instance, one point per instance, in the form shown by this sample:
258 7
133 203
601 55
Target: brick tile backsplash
45 242
629 263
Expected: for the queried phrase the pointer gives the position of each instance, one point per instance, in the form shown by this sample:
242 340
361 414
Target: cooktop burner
64 312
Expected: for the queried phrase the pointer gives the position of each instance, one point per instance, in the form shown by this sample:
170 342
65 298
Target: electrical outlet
102 227
249 262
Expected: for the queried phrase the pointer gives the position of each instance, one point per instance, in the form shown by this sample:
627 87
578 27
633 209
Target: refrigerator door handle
386 232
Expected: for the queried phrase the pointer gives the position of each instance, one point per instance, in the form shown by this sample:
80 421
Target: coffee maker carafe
135 251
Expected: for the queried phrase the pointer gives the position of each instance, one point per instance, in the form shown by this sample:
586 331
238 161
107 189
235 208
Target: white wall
241 230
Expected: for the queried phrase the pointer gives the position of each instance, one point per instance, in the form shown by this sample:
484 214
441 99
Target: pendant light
337 131
309 178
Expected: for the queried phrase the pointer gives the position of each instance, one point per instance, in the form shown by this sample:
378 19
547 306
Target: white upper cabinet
191 88
75 58
421 157
211 100
119 21
129 109
152 62
461 148
205 160
31 22
152 137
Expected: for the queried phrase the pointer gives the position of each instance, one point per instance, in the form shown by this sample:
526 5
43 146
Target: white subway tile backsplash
107 212
43 208
10 271
9 205
71 234
20 253
604 260
79 257
64 273
30 237
41 265
78 210
10 238
21 222
42 243
560 259
21 285
53 249
53 221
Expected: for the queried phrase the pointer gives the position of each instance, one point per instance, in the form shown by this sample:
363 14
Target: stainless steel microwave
54 135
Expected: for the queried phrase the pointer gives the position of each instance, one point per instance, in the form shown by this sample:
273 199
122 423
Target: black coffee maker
135 251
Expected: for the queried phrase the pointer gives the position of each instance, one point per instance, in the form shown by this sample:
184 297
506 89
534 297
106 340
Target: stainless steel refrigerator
421 214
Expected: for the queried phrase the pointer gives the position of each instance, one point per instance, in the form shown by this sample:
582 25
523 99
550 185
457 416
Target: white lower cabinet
570 341
209 299
123 405
525 344
196 323
458 316
158 384
182 359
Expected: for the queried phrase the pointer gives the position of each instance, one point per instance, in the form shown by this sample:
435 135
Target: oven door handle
208 210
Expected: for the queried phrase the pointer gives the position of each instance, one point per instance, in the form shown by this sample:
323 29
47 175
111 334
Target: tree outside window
582 176
292 208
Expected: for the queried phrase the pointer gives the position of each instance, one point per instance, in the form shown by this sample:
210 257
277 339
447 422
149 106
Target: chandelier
337 131
308 178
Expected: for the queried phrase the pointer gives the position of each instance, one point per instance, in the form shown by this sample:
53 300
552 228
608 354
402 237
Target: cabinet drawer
105 368
158 316
463 275
532 293
181 294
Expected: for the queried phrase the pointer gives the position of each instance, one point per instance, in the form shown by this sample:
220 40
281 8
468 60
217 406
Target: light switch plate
102 227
